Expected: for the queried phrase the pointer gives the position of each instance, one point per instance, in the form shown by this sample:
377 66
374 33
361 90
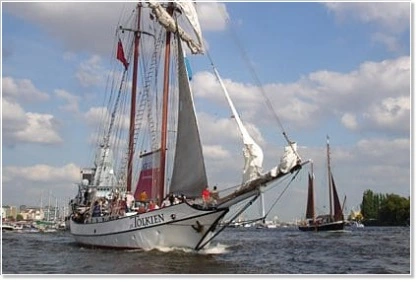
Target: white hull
174 226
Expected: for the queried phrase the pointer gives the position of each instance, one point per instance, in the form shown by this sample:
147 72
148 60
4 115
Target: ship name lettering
148 220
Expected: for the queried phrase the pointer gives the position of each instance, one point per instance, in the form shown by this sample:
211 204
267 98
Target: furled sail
253 154
289 159
189 172
104 175
189 10
170 24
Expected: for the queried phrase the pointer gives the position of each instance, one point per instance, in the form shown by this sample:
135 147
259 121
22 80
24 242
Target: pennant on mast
121 55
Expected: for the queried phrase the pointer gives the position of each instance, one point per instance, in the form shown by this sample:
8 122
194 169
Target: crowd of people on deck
118 204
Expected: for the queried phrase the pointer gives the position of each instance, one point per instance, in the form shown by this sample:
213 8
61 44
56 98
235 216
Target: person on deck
206 196
122 207
143 197
152 206
166 202
130 200
171 198
215 195
96 209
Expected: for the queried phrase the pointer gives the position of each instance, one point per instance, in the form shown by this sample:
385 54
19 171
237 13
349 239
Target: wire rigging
254 74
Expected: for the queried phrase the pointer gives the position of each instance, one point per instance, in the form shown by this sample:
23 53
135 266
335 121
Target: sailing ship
333 221
162 160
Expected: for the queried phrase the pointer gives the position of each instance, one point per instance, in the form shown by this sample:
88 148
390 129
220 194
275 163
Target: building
8 212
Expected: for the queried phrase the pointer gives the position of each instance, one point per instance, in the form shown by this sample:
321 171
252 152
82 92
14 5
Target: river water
279 251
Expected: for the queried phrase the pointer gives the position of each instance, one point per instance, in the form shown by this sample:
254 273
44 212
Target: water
372 250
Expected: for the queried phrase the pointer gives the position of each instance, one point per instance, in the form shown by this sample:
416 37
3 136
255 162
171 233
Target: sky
341 69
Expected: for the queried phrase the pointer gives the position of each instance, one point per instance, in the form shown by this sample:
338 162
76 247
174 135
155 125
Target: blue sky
341 69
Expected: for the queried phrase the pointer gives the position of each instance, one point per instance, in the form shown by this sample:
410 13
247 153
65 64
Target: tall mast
329 178
170 10
133 101
313 192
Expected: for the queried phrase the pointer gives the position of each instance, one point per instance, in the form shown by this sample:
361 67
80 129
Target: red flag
121 55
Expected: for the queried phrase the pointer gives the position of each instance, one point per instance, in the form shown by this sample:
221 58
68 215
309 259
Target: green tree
389 209
395 210
369 205
19 217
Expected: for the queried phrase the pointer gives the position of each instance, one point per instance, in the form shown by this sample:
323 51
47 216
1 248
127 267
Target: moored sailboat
166 209
333 221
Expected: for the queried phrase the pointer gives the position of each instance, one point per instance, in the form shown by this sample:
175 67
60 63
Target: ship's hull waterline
181 226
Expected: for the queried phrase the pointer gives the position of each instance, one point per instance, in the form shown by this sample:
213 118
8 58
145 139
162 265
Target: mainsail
189 173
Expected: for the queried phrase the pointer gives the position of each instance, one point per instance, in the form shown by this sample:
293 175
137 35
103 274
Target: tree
395 210
369 205
19 217
389 209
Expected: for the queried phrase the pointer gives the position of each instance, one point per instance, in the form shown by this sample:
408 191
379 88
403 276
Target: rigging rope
255 77
281 194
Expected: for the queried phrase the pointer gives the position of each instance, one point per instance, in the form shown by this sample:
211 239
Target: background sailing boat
326 222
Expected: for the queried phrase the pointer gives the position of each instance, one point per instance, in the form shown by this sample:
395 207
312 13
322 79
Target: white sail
170 24
104 175
189 11
289 159
253 154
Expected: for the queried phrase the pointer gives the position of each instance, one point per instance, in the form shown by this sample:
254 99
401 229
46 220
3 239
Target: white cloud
389 19
95 115
349 121
373 97
72 101
21 90
213 129
390 15
391 114
246 97
212 15
391 42
42 128
29 184
13 117
384 152
215 152
72 23
21 127
42 173
91 72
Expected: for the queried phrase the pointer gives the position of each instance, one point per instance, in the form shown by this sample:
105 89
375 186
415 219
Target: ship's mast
313 192
170 10
329 177
131 149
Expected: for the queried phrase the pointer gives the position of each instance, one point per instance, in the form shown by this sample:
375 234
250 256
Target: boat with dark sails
333 221
144 190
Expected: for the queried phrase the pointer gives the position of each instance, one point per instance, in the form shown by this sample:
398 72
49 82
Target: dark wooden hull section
333 226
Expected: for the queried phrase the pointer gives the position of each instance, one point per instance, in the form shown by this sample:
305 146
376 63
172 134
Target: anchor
198 228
